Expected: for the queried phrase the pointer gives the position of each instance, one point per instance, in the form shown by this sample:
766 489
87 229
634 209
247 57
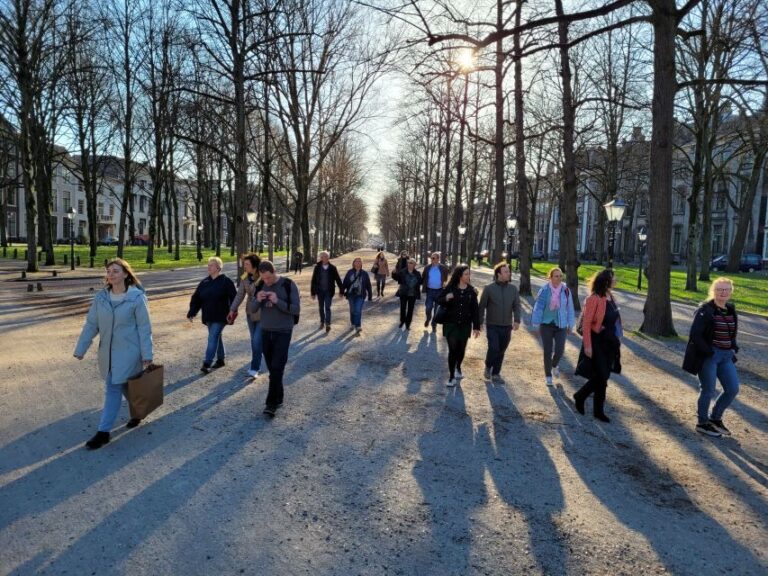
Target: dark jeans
255 330
498 342
596 386
457 346
381 281
552 334
275 346
324 301
406 310
356 311
431 302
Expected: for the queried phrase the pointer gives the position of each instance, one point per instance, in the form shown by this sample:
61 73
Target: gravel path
373 466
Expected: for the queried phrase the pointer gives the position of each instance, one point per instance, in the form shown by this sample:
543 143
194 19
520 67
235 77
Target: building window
12 230
111 209
142 204
718 238
644 207
11 197
65 201
678 200
101 208
81 227
81 206
55 200
142 184
720 200
142 225
677 236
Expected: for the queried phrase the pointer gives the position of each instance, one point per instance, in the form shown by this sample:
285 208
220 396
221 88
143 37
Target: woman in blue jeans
711 354
119 314
214 295
355 287
247 291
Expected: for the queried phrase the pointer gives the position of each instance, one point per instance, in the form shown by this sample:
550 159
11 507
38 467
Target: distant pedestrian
711 354
402 261
325 278
298 262
247 291
500 311
601 345
553 314
434 277
355 287
214 296
119 314
408 292
461 319
381 271
279 302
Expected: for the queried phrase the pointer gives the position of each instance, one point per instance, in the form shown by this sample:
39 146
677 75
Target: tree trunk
523 224
498 145
658 308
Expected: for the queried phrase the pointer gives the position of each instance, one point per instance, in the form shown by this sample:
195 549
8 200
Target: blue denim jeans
113 397
356 311
215 342
255 329
720 366
324 301
498 342
431 303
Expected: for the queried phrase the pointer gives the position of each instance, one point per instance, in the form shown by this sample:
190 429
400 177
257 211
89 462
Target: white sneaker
555 372
549 380
253 373
459 375
451 383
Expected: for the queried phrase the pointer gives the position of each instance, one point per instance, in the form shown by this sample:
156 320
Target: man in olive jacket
500 301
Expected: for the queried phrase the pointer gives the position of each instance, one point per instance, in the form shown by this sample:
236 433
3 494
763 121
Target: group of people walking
119 314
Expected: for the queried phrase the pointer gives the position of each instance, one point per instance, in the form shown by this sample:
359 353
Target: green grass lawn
137 256
750 292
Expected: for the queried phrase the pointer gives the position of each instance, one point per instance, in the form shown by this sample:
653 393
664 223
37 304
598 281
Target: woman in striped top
711 354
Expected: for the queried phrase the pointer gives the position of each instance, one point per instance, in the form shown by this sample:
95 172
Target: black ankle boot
132 423
579 404
602 417
98 440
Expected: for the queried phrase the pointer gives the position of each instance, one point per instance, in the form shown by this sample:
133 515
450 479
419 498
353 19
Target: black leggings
457 346
380 281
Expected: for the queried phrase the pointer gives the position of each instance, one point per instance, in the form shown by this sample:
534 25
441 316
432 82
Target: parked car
748 263
108 241
140 240
538 255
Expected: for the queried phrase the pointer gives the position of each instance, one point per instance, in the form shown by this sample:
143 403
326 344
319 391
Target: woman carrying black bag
462 318
408 292
601 347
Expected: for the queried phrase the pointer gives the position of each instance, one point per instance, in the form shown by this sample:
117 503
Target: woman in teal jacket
119 314
554 316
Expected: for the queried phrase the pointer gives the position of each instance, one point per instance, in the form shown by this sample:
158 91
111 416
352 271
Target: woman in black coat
461 318
711 354
214 296
408 292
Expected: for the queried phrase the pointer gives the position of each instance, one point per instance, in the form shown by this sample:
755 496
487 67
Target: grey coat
125 334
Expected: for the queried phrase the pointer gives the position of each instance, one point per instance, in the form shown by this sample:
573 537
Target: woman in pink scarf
553 314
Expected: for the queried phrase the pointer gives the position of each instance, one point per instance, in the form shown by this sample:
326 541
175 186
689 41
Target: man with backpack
278 300
501 303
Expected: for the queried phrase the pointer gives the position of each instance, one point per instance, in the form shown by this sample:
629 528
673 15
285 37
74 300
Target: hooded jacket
125 334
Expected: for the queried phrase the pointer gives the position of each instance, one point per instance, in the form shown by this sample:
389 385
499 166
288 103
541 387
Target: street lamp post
253 219
614 211
288 247
511 226
199 242
71 217
462 231
642 237
421 248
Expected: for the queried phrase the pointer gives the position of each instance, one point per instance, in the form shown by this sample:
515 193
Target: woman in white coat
119 314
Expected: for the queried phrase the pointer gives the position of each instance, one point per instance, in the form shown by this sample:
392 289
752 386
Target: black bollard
30 288
23 274
39 286
91 262
65 259
106 261
55 273
15 253
25 254
77 260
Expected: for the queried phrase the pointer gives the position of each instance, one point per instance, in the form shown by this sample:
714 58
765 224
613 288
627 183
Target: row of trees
253 102
526 93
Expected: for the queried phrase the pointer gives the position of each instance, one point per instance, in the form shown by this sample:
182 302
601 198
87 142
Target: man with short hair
501 302
325 278
434 276
278 300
